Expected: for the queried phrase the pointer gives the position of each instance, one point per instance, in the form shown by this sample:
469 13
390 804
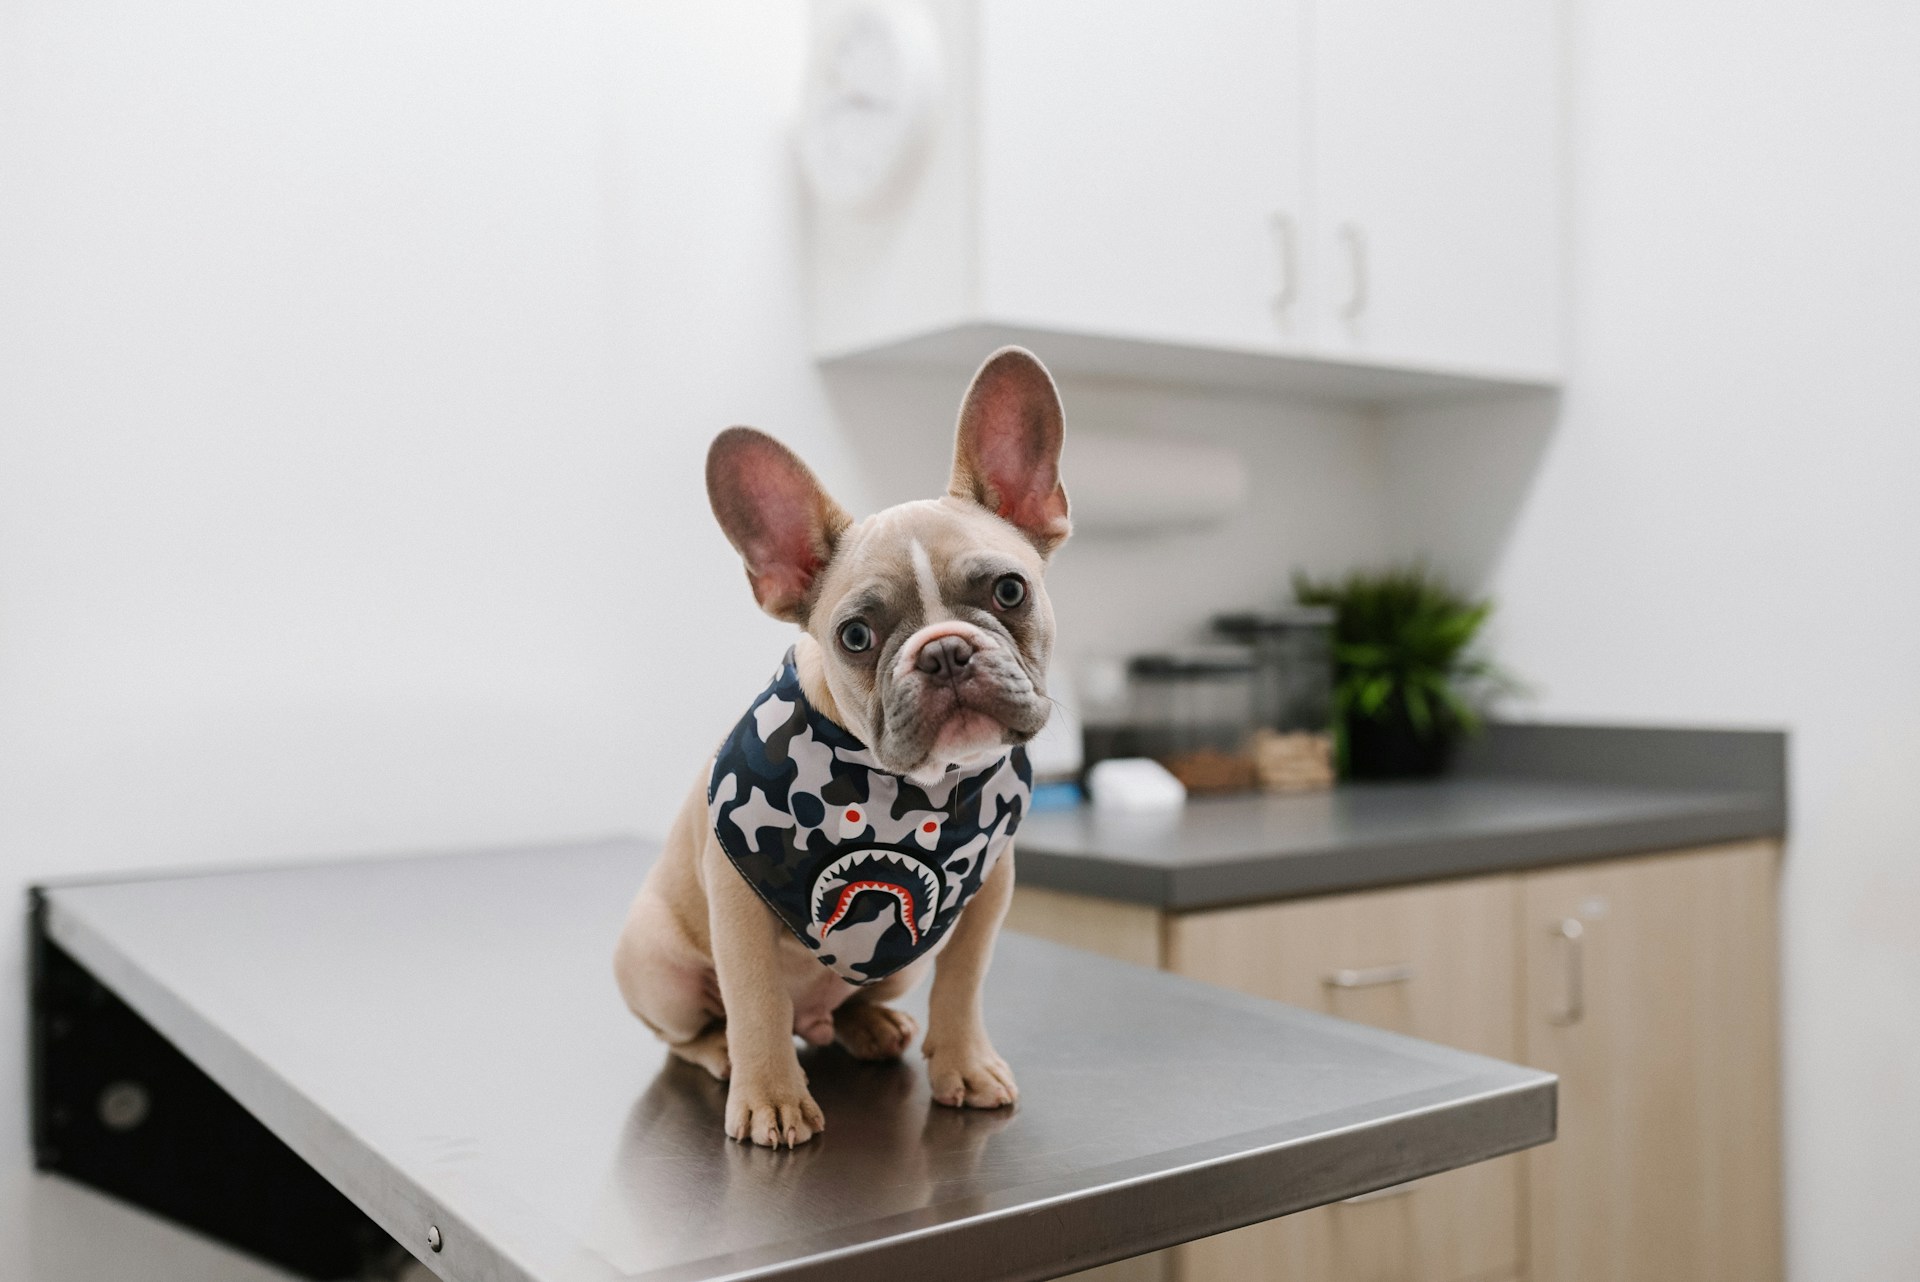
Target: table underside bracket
117 1107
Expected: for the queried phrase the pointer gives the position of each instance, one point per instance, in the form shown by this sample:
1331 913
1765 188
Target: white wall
356 363
1722 528
356 366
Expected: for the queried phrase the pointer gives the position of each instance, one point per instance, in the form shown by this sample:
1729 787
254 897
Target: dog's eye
855 636
1009 591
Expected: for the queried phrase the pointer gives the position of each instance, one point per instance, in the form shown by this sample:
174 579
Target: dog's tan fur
701 960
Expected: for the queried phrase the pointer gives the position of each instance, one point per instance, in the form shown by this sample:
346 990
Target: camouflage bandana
865 867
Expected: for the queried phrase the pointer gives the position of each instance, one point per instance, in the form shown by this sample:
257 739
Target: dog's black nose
944 657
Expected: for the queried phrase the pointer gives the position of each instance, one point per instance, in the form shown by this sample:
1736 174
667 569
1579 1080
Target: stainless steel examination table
315 1062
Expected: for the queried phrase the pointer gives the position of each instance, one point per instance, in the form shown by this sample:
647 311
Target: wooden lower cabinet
1124 932
1435 962
1658 1010
1661 1018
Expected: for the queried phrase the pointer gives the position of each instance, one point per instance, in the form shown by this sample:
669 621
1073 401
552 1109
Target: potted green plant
1408 685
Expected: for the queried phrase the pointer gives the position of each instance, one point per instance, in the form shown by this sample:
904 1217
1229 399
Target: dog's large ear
775 514
1006 456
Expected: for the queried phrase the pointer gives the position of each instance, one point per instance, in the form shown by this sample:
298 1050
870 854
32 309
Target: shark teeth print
853 890
834 875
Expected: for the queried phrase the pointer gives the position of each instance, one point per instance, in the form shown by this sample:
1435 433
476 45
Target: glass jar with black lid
1193 712
1291 651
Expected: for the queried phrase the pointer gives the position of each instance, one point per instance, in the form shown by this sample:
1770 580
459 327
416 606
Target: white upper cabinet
1435 164
1348 198
1140 171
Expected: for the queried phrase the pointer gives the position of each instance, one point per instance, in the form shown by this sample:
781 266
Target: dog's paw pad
872 1031
708 1051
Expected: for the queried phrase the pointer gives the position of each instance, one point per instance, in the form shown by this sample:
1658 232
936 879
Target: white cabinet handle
1356 242
1574 1008
1286 250
1369 977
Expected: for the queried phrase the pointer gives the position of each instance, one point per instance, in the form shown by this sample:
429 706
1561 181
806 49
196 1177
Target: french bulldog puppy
820 866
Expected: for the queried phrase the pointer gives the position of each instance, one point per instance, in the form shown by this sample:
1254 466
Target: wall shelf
960 348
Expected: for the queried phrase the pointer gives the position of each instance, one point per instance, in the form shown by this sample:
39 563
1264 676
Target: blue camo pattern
864 866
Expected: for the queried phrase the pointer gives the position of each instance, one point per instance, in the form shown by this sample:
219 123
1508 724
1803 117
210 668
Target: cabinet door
1436 962
1436 180
1659 1016
1124 932
1140 171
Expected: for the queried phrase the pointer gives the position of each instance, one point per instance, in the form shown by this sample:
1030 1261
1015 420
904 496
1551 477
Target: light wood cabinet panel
1124 932
1436 962
1455 941
1664 1031
1666 1043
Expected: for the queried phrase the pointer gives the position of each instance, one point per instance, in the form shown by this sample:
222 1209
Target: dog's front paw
771 1114
971 1075
871 1031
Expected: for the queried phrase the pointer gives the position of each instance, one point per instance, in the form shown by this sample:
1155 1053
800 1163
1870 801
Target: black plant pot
1389 747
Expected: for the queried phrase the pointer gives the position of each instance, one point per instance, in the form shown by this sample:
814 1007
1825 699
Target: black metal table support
117 1107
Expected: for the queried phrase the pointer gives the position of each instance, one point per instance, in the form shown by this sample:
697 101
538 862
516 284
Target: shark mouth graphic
913 886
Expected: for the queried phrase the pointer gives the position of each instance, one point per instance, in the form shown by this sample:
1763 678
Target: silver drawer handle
1369 977
1575 1007
1381 1195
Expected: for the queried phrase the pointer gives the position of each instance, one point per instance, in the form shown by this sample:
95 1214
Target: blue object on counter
1055 796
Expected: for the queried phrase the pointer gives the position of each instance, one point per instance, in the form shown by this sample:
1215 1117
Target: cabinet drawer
1435 962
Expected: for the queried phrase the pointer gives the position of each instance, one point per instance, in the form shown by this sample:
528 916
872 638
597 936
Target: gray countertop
440 1038
1529 796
